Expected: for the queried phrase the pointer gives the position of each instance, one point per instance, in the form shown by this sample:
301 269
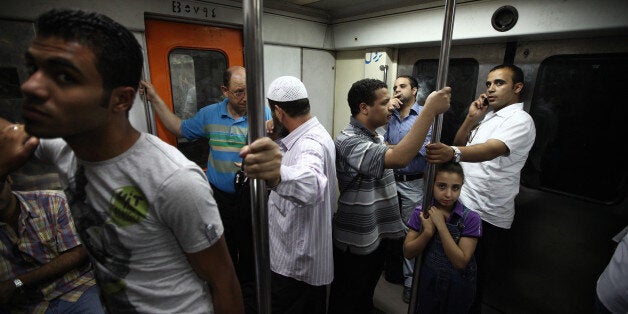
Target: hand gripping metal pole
253 60
441 81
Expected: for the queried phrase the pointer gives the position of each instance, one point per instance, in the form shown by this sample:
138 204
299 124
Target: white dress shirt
300 208
490 186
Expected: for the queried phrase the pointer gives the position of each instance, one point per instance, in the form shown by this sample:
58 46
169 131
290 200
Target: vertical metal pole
441 81
253 61
148 111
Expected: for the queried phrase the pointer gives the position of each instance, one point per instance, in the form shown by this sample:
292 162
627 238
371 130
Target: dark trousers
492 255
393 265
235 213
289 295
355 278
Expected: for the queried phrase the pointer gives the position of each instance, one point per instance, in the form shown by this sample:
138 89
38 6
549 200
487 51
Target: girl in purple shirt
447 240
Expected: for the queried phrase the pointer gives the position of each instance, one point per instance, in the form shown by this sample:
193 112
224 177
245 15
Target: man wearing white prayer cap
300 207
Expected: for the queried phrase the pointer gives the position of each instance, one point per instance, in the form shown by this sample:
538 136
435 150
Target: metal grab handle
385 69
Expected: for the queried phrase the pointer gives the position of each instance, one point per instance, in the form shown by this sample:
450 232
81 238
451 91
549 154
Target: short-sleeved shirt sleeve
414 222
199 226
472 225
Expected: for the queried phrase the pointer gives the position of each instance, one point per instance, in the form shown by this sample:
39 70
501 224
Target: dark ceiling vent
504 18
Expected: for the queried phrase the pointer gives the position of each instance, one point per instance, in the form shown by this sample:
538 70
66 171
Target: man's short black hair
118 54
517 73
363 91
413 81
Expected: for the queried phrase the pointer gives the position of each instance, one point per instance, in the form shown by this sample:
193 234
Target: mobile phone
485 102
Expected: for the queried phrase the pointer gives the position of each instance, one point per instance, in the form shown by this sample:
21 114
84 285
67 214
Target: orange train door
186 65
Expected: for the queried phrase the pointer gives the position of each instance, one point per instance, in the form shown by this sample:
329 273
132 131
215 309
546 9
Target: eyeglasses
238 94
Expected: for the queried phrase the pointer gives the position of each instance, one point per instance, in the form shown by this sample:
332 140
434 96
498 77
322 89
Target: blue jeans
410 196
88 303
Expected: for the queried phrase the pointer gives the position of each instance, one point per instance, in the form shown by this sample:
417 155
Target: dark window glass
195 78
462 78
9 83
580 112
10 94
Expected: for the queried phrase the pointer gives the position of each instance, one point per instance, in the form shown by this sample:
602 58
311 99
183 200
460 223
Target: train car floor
387 298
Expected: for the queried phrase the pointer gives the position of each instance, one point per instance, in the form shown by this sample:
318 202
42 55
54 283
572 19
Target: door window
195 80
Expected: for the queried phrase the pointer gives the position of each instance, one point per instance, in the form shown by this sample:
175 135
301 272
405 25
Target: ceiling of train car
338 9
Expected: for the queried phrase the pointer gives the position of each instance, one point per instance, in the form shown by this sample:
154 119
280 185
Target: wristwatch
457 153
18 284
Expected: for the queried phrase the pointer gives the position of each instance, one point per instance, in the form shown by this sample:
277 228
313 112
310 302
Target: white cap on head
286 88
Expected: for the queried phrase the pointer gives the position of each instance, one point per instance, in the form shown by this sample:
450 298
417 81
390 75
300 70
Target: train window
9 83
195 78
580 114
10 94
462 77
